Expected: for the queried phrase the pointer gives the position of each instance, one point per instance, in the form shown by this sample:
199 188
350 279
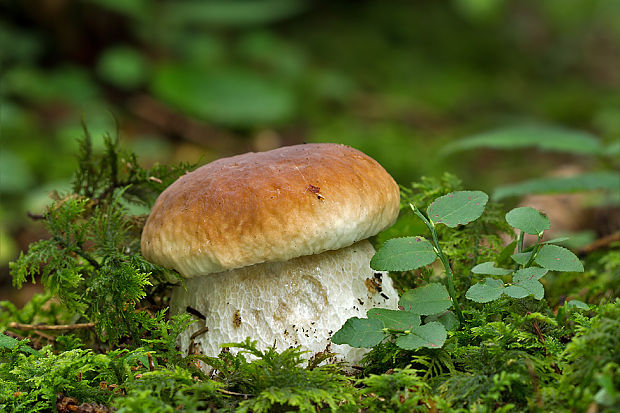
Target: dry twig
21 326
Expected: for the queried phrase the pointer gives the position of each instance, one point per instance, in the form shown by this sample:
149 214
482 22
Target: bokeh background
192 80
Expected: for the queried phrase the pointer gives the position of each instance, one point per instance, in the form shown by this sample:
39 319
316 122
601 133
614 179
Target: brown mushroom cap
269 206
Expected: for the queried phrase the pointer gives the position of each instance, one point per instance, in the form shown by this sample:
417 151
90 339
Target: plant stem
534 251
444 261
520 243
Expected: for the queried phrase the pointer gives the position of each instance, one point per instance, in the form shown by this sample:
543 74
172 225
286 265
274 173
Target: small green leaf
524 288
544 137
578 304
457 208
507 251
431 335
404 254
516 291
429 299
528 220
529 273
556 240
489 268
360 332
395 319
486 290
556 258
521 258
447 319
585 182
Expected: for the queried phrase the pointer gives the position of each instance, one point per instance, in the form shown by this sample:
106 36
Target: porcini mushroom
274 246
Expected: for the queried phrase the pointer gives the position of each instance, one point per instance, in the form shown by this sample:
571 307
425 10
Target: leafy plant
433 299
525 278
91 261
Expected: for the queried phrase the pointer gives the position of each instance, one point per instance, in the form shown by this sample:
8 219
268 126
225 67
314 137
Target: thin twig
539 333
232 393
199 332
21 326
599 244
45 336
35 217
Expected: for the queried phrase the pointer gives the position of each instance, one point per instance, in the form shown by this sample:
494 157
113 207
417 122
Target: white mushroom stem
300 302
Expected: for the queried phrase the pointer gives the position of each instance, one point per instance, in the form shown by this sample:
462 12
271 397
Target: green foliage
402 390
429 299
92 260
151 378
486 290
402 254
394 319
230 97
544 138
277 381
490 269
169 390
528 220
502 349
591 363
99 177
457 208
453 209
360 332
605 180
556 258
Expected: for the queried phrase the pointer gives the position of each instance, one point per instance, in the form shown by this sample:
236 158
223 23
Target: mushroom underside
300 302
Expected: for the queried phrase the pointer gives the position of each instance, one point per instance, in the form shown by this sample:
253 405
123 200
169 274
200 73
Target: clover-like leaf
431 335
556 258
578 304
489 268
457 208
430 299
507 251
395 319
524 288
522 258
528 220
486 290
447 318
528 274
404 254
360 332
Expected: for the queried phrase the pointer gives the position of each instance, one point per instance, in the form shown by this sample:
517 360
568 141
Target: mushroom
274 246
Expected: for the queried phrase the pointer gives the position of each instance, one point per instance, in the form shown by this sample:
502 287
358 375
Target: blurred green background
192 80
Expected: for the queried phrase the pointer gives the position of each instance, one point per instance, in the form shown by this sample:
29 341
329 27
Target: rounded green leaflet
486 290
404 254
395 319
427 300
528 274
360 332
457 208
489 268
524 288
556 258
447 319
521 257
528 220
578 304
431 335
